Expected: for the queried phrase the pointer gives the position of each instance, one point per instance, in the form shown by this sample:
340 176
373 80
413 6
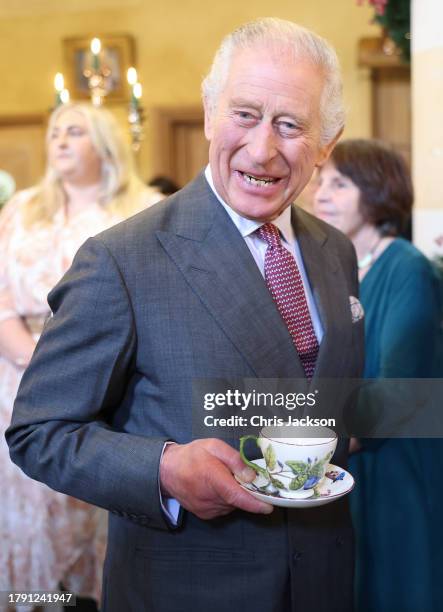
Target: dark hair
384 180
164 184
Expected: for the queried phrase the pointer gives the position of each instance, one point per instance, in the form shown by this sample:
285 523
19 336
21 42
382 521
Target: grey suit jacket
171 295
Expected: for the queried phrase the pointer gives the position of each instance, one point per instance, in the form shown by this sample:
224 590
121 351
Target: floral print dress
45 537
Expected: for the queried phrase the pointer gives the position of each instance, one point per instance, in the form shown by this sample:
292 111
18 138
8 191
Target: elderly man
184 291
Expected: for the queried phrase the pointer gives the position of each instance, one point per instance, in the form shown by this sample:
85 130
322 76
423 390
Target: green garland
396 20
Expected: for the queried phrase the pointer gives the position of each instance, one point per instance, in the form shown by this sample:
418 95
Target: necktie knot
270 234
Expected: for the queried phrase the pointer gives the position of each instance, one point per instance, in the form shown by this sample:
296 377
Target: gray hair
277 33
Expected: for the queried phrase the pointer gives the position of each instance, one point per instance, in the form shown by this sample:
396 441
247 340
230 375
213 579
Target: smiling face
265 132
337 201
70 150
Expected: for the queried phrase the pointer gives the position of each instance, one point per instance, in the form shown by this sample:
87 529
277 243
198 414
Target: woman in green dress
365 191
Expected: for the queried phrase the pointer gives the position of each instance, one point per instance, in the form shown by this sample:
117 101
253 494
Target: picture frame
117 55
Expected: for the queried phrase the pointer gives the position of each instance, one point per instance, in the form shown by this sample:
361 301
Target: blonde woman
89 185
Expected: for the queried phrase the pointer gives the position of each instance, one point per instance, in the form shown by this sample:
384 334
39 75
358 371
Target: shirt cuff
170 506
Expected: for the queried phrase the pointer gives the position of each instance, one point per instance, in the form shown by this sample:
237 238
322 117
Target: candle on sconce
64 96
132 80
136 94
59 82
59 85
135 115
132 76
96 47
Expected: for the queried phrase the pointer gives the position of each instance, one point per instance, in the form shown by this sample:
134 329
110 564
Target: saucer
335 484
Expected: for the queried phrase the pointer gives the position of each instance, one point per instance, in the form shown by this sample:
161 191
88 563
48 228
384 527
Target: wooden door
22 148
391 108
180 149
391 93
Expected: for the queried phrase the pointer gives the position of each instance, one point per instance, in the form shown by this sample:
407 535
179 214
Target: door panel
22 148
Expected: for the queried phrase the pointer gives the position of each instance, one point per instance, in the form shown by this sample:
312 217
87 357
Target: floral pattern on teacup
301 474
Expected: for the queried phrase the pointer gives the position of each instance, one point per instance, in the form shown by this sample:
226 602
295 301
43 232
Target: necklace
368 259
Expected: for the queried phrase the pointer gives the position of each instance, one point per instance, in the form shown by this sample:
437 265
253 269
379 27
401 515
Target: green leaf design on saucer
277 483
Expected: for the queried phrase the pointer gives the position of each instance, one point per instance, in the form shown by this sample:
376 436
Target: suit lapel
217 264
330 292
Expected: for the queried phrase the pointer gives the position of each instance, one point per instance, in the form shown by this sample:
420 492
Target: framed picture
117 54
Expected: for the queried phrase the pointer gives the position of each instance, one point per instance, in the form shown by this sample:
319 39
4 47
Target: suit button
296 556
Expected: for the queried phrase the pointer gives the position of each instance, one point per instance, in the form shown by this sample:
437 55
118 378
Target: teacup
296 461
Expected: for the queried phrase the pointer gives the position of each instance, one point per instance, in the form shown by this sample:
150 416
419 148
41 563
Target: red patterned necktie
286 286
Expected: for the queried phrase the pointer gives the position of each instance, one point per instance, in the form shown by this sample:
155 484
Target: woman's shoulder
15 205
150 196
145 198
405 256
20 198
410 274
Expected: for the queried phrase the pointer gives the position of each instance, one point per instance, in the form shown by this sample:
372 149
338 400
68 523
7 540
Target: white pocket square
357 311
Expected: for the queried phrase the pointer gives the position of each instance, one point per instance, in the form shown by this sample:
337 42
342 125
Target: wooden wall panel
22 148
391 92
180 149
392 108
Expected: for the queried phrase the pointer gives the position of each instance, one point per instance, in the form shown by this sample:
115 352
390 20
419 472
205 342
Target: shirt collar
246 227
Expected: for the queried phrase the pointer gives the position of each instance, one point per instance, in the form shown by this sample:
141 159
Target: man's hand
200 476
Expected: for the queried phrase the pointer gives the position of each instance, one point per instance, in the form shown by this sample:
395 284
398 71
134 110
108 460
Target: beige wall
427 124
175 42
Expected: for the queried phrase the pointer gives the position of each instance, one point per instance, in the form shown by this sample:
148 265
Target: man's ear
326 150
209 112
